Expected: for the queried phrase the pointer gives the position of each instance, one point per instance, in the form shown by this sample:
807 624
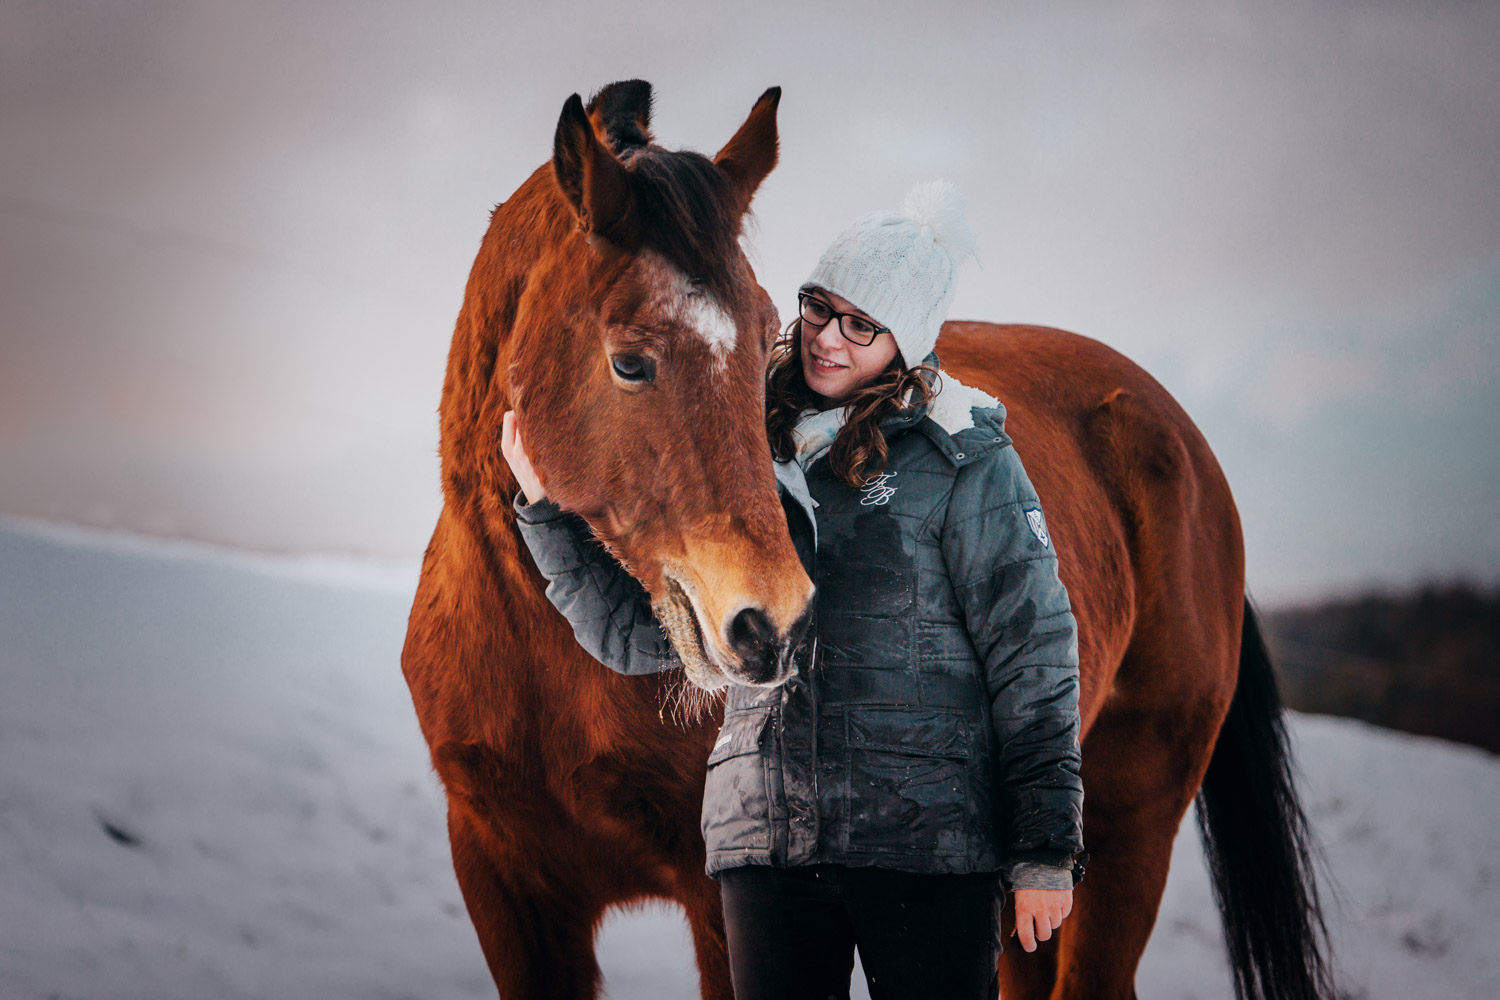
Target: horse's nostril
799 628
795 645
751 634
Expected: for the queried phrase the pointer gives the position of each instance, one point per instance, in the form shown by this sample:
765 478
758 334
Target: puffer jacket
936 730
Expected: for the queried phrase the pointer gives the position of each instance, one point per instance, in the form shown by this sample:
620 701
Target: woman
929 754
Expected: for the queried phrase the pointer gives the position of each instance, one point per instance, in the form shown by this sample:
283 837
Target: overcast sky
234 238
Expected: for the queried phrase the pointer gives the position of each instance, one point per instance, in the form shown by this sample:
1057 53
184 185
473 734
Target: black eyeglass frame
802 299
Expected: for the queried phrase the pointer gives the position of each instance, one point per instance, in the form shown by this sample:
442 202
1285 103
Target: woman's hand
515 457
1039 912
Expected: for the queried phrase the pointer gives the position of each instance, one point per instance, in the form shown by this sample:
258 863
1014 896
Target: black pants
792 933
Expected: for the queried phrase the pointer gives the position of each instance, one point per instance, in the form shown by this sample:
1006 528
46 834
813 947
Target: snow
212 785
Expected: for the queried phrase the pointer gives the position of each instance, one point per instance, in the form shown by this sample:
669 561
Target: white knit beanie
899 267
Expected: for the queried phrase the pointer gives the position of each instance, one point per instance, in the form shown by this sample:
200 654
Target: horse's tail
1258 844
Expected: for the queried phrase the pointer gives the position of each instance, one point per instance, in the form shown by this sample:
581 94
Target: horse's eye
633 367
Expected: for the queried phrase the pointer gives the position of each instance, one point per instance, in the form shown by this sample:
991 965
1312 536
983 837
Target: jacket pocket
908 781
736 793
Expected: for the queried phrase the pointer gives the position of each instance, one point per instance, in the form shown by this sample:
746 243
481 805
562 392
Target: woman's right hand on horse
515 456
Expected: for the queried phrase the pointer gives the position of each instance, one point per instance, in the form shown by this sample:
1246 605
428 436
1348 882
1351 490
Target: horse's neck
525 233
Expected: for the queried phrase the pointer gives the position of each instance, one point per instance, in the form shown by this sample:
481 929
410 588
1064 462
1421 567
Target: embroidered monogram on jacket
877 491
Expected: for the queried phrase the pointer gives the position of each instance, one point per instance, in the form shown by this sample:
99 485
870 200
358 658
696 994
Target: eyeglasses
856 329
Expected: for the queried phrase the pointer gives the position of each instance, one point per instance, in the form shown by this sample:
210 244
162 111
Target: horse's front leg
699 896
536 929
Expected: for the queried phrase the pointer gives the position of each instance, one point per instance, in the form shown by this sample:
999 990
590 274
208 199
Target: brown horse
612 307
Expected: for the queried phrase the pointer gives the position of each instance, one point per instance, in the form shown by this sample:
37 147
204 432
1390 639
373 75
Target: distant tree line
1424 662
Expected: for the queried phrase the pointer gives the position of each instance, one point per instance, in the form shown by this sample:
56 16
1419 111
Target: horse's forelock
688 212
684 206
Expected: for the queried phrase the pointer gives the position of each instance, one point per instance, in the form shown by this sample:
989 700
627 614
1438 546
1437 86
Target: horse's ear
591 177
749 156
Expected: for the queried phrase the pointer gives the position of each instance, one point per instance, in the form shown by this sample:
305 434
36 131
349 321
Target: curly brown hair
859 451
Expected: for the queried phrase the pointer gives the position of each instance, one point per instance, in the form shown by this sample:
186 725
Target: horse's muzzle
766 658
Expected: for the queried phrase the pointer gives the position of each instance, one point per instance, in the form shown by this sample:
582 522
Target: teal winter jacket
936 729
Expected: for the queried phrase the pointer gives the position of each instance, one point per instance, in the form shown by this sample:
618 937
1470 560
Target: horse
611 305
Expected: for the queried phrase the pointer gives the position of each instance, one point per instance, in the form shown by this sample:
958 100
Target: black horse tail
1258 844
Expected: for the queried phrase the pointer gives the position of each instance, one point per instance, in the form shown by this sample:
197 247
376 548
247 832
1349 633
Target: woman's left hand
515 455
1039 912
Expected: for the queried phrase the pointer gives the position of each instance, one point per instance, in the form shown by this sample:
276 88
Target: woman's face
835 367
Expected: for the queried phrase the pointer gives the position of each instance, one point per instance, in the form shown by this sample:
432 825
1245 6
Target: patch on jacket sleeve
953 409
1038 525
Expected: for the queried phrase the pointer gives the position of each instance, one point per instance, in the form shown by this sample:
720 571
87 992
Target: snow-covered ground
212 785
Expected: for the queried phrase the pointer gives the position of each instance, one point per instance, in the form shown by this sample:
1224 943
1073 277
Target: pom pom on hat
899 267
937 205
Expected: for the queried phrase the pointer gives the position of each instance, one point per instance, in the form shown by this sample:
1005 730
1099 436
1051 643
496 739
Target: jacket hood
962 421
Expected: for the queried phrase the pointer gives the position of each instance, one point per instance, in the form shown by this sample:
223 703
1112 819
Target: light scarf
815 432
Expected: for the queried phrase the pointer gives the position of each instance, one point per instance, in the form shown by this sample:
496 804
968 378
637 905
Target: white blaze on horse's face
698 310
691 304
681 300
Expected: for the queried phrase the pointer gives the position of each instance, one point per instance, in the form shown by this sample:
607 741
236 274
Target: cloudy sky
234 237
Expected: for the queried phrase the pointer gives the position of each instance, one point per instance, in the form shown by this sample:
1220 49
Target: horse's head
637 367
